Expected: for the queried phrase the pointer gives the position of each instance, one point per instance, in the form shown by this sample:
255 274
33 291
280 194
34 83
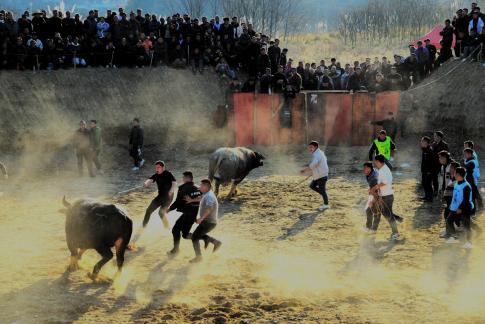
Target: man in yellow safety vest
384 145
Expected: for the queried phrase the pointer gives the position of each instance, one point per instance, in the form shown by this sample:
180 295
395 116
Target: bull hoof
73 264
99 279
131 248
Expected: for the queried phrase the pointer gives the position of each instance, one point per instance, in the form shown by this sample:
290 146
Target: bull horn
65 203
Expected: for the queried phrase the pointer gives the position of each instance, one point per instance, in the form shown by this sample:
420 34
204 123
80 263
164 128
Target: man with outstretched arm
319 168
208 215
188 210
166 184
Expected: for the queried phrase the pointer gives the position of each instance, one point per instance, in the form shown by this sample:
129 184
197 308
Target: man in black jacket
136 145
437 146
427 168
188 210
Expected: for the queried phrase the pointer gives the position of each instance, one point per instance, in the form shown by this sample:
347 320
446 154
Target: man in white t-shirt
319 168
384 190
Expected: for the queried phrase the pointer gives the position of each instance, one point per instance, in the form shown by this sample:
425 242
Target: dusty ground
281 260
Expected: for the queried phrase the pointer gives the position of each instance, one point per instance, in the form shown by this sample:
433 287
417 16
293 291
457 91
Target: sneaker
366 230
468 245
443 233
142 162
196 259
323 207
135 169
394 237
217 246
451 240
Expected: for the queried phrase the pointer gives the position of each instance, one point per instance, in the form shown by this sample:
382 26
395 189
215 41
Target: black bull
93 225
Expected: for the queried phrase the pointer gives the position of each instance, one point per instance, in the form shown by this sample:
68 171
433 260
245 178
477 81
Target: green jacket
95 138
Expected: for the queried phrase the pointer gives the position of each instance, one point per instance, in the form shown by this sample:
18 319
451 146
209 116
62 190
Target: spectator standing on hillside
422 55
95 143
447 41
136 145
81 142
432 55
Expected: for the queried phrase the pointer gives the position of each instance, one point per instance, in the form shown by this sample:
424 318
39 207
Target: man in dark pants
95 141
166 187
136 145
472 175
427 168
208 215
373 215
81 144
461 207
319 168
385 192
437 146
384 145
188 210
449 179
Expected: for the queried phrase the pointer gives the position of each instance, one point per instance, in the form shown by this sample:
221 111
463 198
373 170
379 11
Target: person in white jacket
319 168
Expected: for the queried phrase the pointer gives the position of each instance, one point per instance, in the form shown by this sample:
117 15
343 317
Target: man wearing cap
383 145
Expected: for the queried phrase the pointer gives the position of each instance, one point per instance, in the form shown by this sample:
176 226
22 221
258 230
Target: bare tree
193 8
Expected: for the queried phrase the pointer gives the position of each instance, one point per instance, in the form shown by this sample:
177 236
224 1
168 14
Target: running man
383 145
166 184
385 194
208 215
188 210
319 168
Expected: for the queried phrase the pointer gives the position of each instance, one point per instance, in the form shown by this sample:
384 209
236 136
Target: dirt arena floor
281 261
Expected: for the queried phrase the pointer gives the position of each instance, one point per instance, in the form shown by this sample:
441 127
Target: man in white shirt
386 194
319 168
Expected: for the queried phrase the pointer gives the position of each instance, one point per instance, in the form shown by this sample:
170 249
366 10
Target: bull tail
214 166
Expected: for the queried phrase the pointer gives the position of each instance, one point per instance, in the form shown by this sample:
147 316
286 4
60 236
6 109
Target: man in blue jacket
461 207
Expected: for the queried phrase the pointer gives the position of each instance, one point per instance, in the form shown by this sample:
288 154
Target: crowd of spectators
232 47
